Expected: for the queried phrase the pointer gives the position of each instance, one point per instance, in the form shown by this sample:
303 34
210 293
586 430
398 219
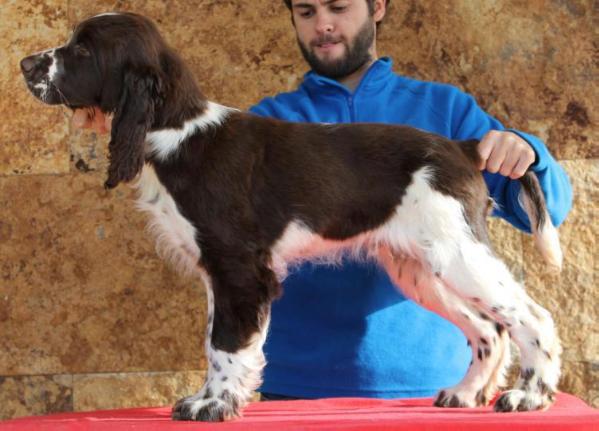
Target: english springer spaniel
237 198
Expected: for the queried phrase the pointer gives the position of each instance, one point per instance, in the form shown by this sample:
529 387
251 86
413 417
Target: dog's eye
81 50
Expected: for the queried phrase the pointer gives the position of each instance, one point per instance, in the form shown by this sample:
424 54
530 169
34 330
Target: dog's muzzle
36 67
36 70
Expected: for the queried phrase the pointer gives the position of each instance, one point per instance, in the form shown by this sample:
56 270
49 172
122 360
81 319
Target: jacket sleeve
280 107
469 121
264 108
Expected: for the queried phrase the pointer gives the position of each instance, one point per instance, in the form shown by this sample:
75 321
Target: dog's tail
544 233
531 198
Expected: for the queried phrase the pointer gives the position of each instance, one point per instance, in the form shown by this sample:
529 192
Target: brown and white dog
236 198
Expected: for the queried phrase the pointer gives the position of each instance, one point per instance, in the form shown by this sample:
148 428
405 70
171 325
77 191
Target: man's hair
370 7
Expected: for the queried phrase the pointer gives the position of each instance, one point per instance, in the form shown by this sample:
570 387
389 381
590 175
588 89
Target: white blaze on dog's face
88 69
117 62
67 75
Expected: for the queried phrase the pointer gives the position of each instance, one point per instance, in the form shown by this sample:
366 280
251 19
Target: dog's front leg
238 318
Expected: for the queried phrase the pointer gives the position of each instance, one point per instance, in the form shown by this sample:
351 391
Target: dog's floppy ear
140 95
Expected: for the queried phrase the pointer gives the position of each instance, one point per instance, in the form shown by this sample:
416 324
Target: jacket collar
373 80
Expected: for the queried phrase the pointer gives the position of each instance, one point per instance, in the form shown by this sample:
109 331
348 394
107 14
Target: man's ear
380 8
140 95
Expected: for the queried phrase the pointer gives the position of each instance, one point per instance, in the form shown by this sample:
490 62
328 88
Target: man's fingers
506 153
108 122
496 159
92 118
520 168
80 119
98 121
508 165
101 122
484 149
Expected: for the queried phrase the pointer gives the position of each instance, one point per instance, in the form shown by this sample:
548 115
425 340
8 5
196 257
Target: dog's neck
181 98
162 143
182 101
183 111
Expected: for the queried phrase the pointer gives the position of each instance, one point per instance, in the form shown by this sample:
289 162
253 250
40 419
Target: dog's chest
175 235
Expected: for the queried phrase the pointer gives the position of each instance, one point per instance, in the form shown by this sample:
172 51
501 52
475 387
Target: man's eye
338 9
306 13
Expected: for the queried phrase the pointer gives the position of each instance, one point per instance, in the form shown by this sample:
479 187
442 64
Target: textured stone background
90 318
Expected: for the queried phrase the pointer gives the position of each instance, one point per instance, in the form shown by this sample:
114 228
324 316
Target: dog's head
119 63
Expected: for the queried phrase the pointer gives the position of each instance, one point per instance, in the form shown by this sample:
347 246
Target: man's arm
278 107
506 153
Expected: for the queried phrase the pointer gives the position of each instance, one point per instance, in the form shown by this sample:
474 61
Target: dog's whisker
61 94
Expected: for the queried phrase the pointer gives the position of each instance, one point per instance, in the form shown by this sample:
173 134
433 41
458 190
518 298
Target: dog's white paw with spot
457 398
208 407
523 401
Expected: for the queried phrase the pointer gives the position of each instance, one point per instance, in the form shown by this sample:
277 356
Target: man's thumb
79 118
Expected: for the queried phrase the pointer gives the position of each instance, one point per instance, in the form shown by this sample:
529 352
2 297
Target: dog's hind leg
498 378
470 269
447 233
488 341
239 296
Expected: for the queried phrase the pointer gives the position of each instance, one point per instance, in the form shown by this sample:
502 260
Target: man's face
336 37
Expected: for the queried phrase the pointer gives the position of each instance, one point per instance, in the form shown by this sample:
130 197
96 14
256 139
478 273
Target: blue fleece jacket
346 331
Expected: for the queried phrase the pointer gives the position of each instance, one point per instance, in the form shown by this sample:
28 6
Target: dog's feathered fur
236 198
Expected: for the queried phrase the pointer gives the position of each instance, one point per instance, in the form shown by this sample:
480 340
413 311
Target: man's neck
353 80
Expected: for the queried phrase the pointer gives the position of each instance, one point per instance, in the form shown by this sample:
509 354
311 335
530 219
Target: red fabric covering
568 413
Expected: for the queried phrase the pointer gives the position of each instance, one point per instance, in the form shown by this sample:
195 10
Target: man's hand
506 153
92 118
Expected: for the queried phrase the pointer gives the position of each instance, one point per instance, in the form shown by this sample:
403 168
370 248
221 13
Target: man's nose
28 64
324 24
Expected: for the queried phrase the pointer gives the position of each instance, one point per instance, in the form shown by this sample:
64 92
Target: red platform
567 414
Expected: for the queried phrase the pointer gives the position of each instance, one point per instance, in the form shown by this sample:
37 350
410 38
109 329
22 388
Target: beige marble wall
90 318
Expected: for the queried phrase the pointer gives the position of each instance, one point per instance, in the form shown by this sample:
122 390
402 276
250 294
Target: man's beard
355 56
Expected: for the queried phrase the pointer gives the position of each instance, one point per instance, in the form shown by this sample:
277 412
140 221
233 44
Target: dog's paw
206 409
456 399
518 400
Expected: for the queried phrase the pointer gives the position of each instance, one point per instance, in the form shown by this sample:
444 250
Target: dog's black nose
28 64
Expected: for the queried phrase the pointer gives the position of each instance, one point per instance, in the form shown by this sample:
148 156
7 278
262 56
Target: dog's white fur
165 143
175 236
547 240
